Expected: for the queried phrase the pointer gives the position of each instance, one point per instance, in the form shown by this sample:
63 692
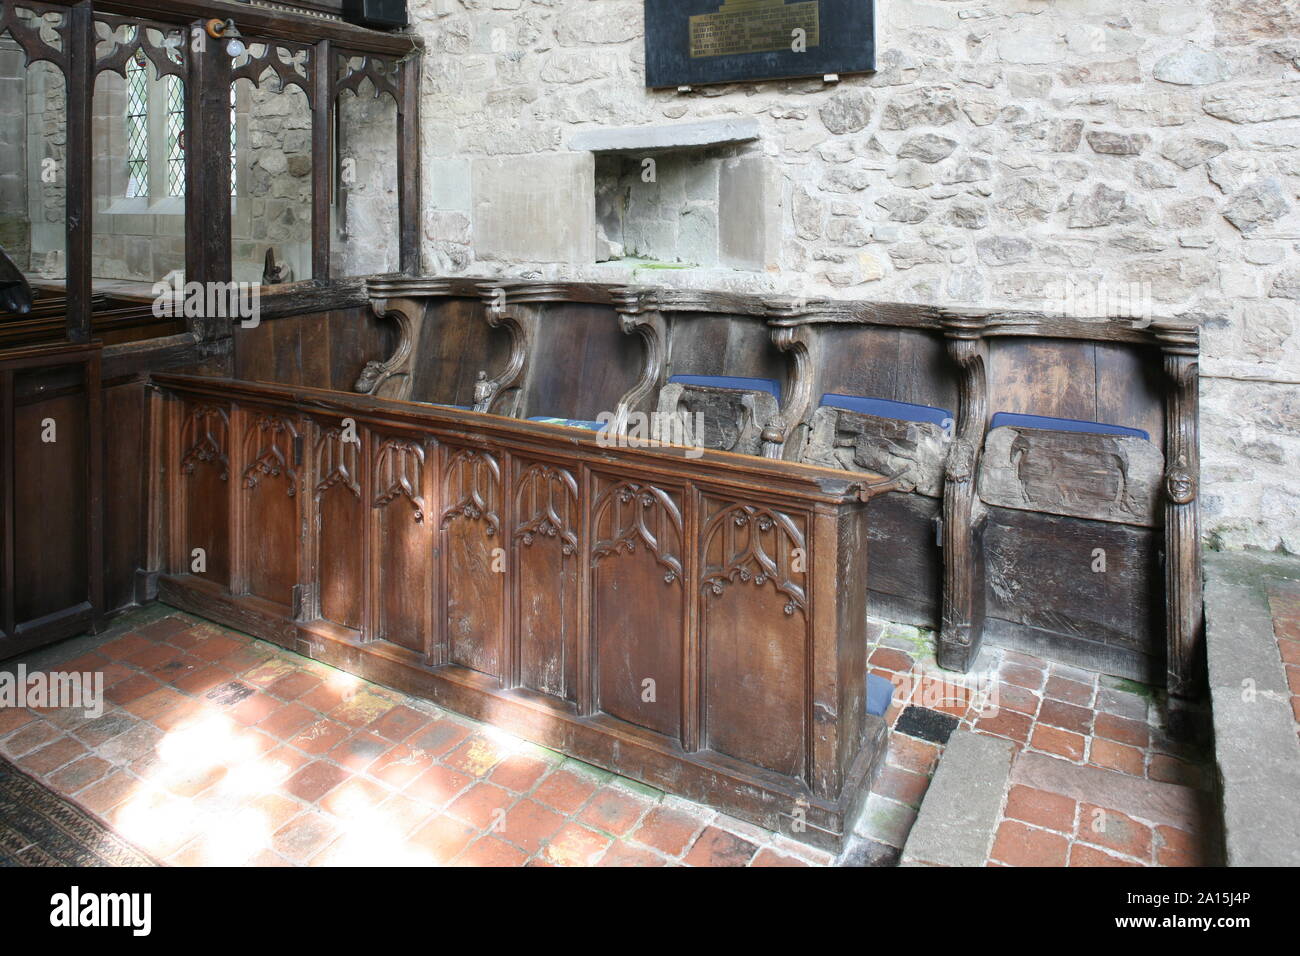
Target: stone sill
640 139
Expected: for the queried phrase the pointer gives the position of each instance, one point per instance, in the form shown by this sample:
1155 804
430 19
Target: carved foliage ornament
472 483
758 545
337 462
629 514
547 503
204 437
399 465
273 438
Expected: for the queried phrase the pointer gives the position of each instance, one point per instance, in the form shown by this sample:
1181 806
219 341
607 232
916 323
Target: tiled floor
1284 601
219 749
1096 780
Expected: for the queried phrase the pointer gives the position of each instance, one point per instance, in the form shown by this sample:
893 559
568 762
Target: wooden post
962 622
207 169
408 163
322 157
1184 616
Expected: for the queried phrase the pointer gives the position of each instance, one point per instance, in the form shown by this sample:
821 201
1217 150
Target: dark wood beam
322 157
79 213
408 164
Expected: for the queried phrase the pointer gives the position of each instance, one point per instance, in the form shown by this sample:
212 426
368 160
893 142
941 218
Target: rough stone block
960 812
535 208
749 214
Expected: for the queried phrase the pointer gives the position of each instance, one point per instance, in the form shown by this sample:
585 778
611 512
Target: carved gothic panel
399 467
754 632
473 558
546 520
637 590
402 548
336 467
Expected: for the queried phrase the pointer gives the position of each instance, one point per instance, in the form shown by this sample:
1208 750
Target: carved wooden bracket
639 315
962 622
391 378
1184 614
501 395
799 344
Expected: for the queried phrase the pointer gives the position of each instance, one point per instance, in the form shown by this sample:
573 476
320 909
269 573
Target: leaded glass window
175 136
137 128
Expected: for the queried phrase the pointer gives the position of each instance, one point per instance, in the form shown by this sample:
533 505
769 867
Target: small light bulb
235 48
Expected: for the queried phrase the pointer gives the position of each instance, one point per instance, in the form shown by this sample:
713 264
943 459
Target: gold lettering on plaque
753 26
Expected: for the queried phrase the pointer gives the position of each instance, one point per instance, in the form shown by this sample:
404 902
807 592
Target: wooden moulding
676 619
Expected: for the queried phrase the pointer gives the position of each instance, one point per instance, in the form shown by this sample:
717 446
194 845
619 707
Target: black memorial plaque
694 42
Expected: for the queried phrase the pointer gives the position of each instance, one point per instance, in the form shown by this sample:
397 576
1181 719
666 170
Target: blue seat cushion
884 408
880 692
1063 425
463 408
569 422
769 385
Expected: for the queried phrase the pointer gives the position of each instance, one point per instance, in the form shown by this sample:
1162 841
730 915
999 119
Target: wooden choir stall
645 527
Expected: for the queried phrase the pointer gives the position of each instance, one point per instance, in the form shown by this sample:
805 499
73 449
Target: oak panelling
906 579
401 556
754 633
582 363
270 484
204 476
125 523
546 525
458 344
50 489
1131 389
340 513
638 602
320 349
708 344
1053 378
1112 617
902 365
472 556
1102 382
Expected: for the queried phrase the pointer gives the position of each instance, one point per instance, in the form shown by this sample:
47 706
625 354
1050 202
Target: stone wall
1023 153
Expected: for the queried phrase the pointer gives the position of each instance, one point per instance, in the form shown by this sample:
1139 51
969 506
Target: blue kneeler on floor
880 693
1063 425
